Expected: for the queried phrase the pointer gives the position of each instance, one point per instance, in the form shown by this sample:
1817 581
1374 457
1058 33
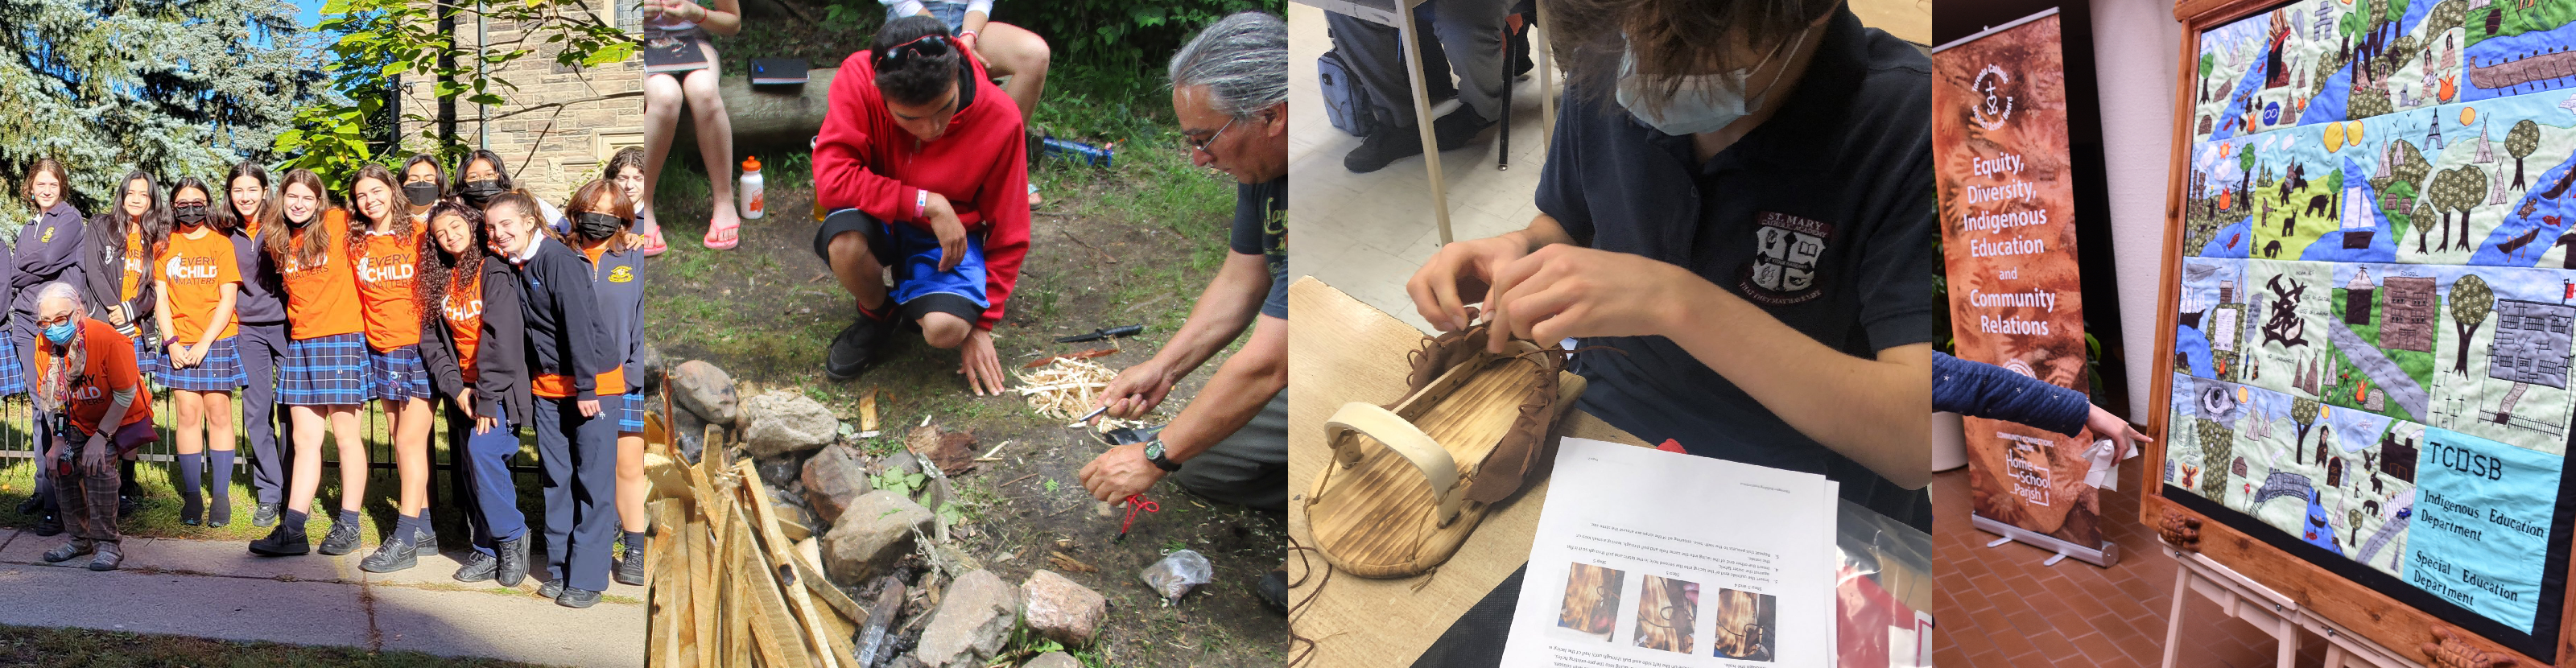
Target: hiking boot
1384 148
630 570
513 561
576 597
287 540
66 551
1456 129
263 515
49 525
390 556
1274 590
478 569
854 349
551 589
107 559
343 539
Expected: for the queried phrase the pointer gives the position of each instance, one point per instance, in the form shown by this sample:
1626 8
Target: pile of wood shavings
1067 389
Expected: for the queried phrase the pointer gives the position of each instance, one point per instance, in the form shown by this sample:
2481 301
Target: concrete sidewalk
218 589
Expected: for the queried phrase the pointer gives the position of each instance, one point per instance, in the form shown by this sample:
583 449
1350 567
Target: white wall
2136 44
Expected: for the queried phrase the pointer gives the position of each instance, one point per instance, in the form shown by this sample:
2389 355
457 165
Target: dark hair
437 174
358 222
913 77
1671 39
110 227
631 156
227 219
618 206
499 168
62 180
297 248
443 269
190 183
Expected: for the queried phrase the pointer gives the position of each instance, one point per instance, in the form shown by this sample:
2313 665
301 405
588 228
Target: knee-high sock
127 487
191 480
219 463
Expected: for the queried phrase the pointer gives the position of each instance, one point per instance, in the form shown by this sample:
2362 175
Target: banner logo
1996 108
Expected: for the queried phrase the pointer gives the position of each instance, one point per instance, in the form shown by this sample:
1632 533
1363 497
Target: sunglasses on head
925 46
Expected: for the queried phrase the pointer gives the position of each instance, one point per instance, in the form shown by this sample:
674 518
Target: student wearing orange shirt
116 257
601 217
324 376
85 379
390 245
477 356
198 283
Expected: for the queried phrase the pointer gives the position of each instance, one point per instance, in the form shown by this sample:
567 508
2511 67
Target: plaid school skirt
13 370
397 374
220 371
631 420
147 357
324 371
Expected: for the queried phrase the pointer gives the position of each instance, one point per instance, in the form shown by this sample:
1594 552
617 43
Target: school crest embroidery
1783 270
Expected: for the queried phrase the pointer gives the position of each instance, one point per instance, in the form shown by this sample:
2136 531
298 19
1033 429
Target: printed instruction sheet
1651 559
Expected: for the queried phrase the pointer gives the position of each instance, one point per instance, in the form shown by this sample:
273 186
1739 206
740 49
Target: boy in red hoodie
923 163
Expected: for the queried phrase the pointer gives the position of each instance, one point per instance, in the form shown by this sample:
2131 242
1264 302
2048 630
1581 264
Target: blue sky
311 11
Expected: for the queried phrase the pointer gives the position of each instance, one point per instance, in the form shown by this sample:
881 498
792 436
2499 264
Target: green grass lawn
42 647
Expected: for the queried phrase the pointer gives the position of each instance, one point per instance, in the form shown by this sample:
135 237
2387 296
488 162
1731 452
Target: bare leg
858 270
353 457
1012 51
307 474
942 330
661 116
411 454
219 430
192 421
631 485
715 146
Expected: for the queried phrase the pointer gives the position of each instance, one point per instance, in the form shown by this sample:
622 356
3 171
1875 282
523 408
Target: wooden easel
2279 615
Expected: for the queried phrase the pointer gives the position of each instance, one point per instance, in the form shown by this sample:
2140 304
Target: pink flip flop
710 240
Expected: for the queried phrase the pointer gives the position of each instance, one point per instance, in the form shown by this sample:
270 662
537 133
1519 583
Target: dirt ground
1109 248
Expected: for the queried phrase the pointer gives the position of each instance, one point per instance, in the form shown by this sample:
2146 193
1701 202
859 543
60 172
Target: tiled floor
2000 607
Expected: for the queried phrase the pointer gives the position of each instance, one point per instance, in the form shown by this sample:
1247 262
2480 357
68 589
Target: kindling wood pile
780 544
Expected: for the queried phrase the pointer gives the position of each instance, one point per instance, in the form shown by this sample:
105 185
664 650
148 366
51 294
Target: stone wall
551 149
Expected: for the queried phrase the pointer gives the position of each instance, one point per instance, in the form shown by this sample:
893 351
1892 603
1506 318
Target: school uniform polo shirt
1822 216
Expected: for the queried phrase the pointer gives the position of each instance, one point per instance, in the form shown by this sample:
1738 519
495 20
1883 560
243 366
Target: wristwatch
1154 453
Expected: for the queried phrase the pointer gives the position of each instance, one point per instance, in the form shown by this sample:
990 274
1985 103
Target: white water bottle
749 194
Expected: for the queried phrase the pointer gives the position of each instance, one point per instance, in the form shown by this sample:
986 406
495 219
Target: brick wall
553 150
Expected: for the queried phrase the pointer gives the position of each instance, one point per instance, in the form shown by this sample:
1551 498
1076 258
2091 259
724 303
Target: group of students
405 286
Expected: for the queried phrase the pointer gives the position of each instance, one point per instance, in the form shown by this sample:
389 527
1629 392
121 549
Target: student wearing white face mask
1739 201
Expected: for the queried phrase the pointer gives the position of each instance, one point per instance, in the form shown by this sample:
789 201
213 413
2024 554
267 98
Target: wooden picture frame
2400 628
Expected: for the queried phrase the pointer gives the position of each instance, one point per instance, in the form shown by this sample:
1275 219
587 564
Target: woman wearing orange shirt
199 282
390 243
324 376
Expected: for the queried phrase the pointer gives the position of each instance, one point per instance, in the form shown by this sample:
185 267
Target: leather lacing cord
1298 608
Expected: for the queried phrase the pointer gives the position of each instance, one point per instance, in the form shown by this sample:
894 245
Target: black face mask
191 214
595 226
421 194
478 193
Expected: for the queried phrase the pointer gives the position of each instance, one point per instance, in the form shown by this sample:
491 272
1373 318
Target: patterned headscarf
53 388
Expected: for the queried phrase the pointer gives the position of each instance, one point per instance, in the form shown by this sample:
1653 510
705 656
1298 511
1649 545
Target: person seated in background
923 163
1008 51
85 377
664 92
1470 42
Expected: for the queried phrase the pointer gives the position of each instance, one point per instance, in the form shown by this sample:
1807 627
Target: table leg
2288 632
1540 45
1405 32
1503 139
2173 622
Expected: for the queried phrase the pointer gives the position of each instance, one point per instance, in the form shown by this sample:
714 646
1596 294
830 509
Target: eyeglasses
925 46
1202 144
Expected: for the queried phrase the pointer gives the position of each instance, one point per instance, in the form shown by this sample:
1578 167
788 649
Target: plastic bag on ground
1177 574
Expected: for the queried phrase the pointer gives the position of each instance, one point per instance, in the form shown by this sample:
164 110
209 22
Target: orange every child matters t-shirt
321 299
197 270
385 273
464 312
111 365
134 269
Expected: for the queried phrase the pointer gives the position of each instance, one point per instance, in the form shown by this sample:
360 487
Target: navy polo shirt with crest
1822 216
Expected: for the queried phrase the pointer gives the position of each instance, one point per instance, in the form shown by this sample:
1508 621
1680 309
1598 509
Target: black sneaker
191 510
1274 590
426 537
513 558
32 506
1384 148
630 570
478 569
1459 127
855 348
575 597
343 539
551 589
287 540
264 515
49 525
390 556
125 507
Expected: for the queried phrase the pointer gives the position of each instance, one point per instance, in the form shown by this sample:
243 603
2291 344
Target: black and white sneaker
576 597
390 556
264 515
513 566
630 570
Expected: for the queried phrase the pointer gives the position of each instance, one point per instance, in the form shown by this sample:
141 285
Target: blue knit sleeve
1983 390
